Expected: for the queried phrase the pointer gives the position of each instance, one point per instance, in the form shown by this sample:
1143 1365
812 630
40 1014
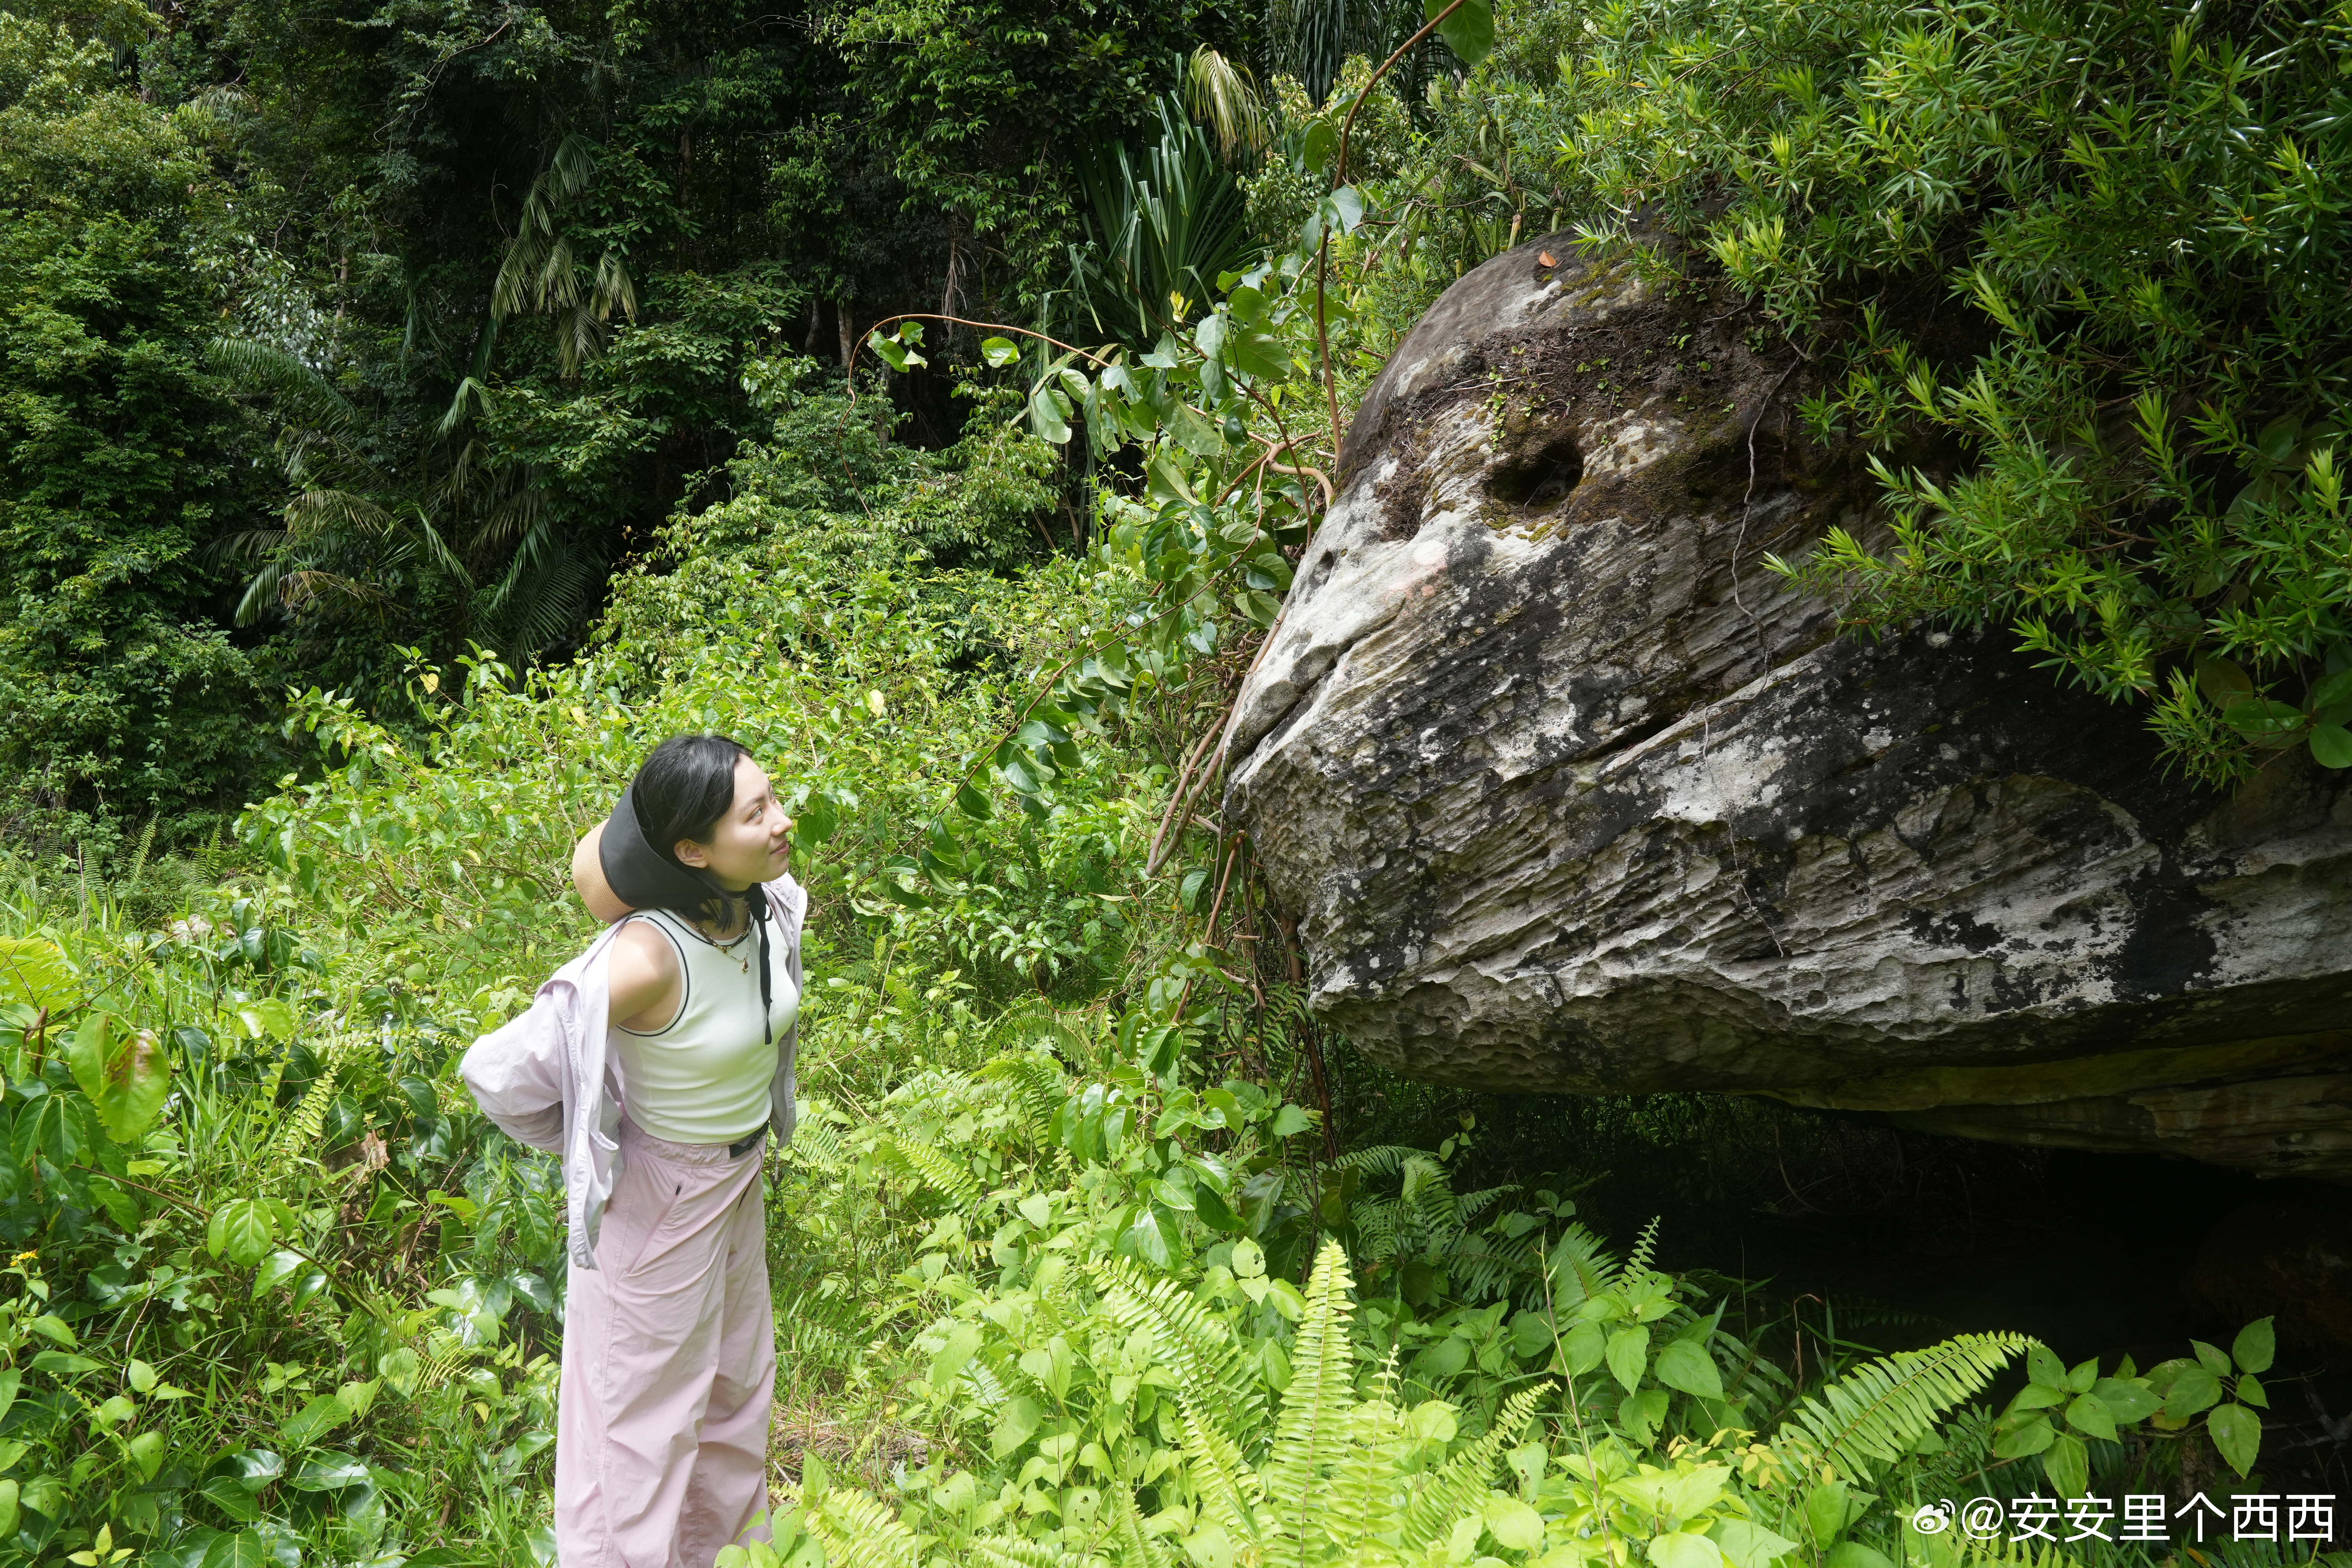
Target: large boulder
1570 794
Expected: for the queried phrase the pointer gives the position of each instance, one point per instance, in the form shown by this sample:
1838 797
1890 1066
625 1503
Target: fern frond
1012 1552
1581 1267
1379 1159
859 1532
1645 1248
1311 1433
1376 1226
1229 1489
1368 1481
1212 1370
1038 1085
1460 1484
308 1122
1867 1419
1470 1206
817 1145
1139 1547
921 1161
1483 1268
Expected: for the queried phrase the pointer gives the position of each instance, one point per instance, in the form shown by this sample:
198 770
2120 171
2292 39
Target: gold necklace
742 960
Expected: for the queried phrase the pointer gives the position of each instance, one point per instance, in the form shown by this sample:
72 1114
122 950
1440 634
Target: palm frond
1224 95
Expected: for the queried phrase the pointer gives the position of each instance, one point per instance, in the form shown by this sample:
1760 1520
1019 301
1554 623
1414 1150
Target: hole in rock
1540 477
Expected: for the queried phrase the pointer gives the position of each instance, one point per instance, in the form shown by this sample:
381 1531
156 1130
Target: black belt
746 1143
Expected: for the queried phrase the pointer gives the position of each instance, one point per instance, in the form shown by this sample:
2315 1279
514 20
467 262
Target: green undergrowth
1064 1269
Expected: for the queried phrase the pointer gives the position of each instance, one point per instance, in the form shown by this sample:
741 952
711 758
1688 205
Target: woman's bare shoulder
645 963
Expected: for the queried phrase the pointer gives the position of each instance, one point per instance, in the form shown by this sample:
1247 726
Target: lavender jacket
548 1079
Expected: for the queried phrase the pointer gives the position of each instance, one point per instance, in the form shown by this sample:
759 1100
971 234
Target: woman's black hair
682 790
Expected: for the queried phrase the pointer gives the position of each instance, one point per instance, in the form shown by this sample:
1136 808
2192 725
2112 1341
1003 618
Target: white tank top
706 1076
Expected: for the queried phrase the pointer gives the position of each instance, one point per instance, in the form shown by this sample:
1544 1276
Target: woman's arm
646 981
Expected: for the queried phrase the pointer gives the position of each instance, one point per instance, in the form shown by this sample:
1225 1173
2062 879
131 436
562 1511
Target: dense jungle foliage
412 413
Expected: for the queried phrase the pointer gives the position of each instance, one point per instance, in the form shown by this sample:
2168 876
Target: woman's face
753 840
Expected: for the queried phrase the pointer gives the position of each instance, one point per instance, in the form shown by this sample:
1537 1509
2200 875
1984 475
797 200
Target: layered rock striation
1569 793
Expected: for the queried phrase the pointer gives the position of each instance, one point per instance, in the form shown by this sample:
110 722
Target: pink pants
669 1365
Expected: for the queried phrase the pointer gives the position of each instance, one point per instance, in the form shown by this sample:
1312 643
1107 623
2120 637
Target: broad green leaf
1629 1353
1193 433
1290 1120
2090 1415
1681 1549
9 1510
1749 1544
276 1269
1829 1506
2332 689
126 1073
2127 1400
1445 1359
314 1421
243 1231
2331 745
35 973
1210 1547
329 1473
1344 210
1017 1422
1147 1239
971 802
2028 1436
54 1329
271 1017
1854 1554
2210 1358
2044 1368
1514 1524
1317 146
2068 1465
2223 682
224 1494
2236 1434
65 1363
2263 718
1049 415
1688 1367
2194 1390
1208 337
2255 1347
1469 32
814 820
999 352
246 1549
963 1341
1261 356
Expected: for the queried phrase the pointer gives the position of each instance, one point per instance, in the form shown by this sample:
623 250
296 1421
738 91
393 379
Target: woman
655 1064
